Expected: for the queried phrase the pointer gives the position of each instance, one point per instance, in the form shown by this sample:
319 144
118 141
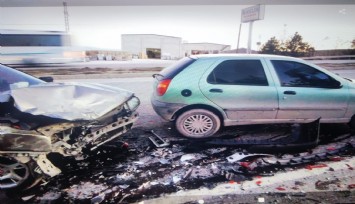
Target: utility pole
66 17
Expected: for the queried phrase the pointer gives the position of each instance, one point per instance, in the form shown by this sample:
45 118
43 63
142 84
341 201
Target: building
152 46
204 48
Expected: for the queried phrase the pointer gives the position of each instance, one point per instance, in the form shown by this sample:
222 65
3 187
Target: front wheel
16 176
198 123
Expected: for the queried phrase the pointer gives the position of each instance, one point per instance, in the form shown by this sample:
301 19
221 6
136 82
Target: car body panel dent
69 119
69 101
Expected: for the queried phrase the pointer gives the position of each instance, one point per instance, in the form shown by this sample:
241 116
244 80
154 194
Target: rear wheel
198 123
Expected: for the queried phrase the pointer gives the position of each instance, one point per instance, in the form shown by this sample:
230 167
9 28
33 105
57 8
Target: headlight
133 103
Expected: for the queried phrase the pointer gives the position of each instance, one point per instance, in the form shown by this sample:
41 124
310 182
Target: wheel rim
198 124
12 173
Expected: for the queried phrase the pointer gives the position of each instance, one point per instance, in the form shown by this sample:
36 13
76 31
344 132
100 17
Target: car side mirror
46 79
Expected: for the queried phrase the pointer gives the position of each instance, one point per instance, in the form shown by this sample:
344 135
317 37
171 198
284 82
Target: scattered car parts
158 141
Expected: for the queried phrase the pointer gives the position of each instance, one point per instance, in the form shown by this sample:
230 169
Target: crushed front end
73 123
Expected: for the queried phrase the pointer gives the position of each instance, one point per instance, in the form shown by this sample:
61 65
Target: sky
322 26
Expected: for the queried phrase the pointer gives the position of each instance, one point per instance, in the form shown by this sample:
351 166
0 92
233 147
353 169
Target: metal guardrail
339 57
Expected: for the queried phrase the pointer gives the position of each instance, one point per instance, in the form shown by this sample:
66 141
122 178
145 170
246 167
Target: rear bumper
166 110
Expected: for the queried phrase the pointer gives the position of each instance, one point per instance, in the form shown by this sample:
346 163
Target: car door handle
216 90
290 92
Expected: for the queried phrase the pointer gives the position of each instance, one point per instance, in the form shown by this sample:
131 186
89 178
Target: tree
297 48
353 44
293 47
272 46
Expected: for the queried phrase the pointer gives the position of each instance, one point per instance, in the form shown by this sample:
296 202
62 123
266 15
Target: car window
239 72
171 71
295 74
10 76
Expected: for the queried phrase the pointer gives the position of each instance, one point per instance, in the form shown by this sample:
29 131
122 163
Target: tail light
163 86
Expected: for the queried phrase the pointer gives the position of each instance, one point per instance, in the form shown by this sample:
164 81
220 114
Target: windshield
11 78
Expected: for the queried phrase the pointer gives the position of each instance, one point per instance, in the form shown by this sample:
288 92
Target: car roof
241 56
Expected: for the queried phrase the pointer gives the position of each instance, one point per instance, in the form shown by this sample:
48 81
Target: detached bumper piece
302 136
158 141
111 131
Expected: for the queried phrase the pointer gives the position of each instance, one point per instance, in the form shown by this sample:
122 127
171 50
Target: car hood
69 101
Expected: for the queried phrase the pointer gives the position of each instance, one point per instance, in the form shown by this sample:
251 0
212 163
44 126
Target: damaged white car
70 119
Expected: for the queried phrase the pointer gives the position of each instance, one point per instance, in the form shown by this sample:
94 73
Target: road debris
240 156
324 185
143 170
158 141
317 166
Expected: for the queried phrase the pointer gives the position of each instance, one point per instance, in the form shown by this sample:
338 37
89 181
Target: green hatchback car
204 92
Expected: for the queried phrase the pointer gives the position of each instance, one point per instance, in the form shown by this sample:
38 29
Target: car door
308 93
242 88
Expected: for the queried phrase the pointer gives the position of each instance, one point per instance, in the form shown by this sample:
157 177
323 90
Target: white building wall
207 48
137 44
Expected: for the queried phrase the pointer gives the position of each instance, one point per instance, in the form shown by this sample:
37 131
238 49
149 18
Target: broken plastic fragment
98 199
164 161
235 177
245 164
188 157
350 167
336 158
124 186
27 198
187 174
176 179
310 167
280 188
240 155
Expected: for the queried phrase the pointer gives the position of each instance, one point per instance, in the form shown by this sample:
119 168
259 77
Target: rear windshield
174 69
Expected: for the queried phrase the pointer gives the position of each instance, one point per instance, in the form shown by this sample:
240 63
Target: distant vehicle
37 47
204 92
75 120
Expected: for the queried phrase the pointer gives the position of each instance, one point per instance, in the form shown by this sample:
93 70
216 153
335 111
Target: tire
198 123
16 176
352 123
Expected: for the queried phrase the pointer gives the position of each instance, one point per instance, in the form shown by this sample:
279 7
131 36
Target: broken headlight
133 103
